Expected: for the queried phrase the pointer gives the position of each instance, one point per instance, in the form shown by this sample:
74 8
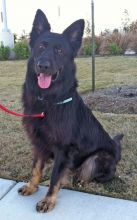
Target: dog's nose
43 65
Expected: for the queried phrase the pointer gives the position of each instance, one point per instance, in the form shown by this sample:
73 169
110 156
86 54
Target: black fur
69 133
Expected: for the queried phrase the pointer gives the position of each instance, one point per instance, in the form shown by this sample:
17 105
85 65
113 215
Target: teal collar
58 103
65 101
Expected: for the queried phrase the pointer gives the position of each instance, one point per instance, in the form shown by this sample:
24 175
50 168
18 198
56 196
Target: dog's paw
27 190
45 205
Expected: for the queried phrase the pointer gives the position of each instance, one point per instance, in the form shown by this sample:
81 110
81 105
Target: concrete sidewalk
71 205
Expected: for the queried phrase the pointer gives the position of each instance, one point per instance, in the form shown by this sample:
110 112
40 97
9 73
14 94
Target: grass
110 71
15 149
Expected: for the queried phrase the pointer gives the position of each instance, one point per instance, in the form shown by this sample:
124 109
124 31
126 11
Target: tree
115 31
125 21
15 37
133 27
88 29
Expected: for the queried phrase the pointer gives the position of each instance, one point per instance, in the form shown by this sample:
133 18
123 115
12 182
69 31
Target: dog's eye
43 45
59 51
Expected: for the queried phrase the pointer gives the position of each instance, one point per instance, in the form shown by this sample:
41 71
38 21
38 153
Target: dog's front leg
37 168
32 185
58 174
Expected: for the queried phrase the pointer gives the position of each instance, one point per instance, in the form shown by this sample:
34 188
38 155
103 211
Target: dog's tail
118 138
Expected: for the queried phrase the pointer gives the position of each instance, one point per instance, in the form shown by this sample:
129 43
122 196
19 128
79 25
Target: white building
6 37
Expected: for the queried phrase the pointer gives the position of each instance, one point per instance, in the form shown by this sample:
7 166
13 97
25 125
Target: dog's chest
55 128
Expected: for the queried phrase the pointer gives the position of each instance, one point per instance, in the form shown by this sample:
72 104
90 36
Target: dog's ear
74 35
40 25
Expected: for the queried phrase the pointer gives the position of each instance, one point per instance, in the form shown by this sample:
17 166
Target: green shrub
87 49
4 52
114 49
21 50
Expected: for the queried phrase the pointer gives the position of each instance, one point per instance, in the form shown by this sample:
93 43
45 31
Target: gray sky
108 13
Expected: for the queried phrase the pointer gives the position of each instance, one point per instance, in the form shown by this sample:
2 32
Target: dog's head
53 52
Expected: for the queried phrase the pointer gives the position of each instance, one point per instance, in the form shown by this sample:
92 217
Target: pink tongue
44 81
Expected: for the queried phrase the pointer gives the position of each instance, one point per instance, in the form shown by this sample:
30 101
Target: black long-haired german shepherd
69 133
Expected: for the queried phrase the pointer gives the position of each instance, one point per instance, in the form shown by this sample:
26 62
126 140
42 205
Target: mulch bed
117 100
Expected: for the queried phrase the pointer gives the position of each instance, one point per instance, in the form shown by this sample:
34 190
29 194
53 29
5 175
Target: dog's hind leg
100 167
86 171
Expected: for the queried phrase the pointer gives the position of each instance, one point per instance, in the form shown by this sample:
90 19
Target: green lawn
15 149
110 71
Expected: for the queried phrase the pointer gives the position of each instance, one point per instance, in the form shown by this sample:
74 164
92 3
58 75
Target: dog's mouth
45 79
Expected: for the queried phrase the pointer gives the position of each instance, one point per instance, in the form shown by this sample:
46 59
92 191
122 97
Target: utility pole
58 17
93 46
58 11
6 37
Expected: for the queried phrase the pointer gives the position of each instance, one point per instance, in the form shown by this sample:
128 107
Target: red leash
3 108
